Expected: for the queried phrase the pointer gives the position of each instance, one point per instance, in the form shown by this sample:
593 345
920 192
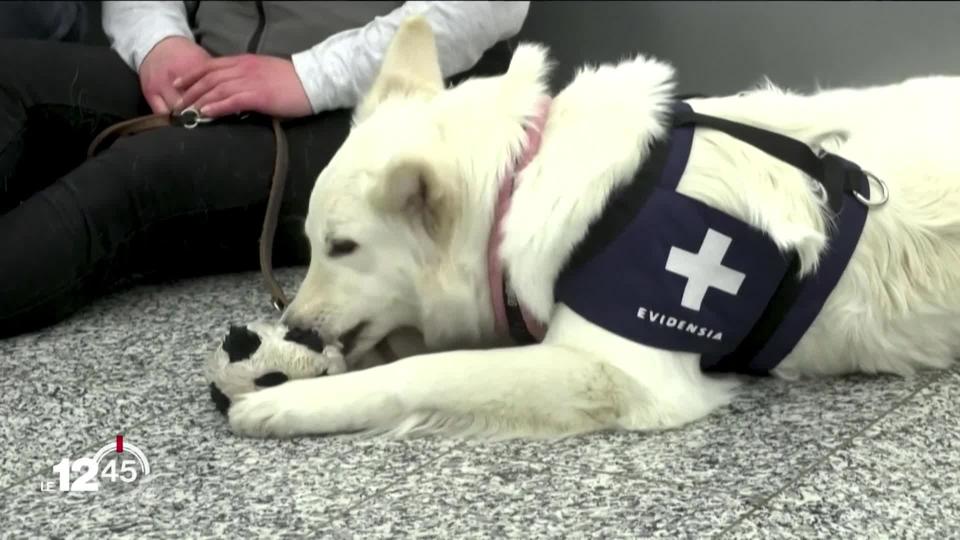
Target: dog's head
388 224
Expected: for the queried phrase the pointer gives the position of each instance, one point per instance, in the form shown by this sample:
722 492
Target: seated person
173 202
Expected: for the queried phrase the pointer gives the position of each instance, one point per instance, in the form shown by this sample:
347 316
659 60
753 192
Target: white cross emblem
703 270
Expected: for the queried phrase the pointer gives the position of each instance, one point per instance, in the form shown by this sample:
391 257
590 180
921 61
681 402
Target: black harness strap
784 148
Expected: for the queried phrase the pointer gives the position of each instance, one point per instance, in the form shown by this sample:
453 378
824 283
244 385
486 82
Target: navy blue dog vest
665 270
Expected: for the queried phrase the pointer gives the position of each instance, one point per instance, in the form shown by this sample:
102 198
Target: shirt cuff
317 83
143 45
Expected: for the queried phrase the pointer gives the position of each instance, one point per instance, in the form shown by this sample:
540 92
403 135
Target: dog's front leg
535 391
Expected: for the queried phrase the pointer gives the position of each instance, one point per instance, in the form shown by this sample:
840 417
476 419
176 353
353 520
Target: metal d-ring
884 192
191 118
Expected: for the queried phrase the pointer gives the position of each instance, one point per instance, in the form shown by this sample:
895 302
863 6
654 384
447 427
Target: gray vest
276 28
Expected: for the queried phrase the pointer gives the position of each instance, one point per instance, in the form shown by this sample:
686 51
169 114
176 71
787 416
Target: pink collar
534 131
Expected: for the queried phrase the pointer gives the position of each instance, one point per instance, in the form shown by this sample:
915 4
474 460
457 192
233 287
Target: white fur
896 309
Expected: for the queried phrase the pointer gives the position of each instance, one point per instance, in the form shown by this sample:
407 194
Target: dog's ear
413 188
411 66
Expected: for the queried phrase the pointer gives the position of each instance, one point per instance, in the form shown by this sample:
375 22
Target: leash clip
190 118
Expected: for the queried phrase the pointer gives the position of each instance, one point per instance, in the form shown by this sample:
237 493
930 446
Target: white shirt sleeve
133 28
337 72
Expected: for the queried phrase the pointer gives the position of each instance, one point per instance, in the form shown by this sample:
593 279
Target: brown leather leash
191 118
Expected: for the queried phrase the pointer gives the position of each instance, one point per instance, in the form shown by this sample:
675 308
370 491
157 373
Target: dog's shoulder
598 133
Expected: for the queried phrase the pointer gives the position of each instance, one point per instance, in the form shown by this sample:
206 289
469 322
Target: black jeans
54 21
161 204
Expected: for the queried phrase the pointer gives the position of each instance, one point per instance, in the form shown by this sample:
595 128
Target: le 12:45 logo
116 461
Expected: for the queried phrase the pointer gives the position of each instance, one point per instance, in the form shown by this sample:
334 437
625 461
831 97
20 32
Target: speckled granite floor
857 457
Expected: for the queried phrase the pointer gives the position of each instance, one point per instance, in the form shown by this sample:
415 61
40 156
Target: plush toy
261 354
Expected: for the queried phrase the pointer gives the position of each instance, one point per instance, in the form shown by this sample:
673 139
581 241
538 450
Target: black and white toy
260 355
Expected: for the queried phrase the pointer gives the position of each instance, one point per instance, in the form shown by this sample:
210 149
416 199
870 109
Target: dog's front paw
269 413
323 405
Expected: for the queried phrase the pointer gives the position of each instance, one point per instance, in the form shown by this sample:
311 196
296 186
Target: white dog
401 220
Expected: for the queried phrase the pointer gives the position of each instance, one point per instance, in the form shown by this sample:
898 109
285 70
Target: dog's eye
339 248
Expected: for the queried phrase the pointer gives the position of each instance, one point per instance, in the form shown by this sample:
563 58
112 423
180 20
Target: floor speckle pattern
857 457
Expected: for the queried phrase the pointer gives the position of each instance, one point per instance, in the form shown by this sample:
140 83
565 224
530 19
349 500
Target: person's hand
244 83
169 59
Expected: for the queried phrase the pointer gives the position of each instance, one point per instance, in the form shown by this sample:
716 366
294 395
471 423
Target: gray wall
724 47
